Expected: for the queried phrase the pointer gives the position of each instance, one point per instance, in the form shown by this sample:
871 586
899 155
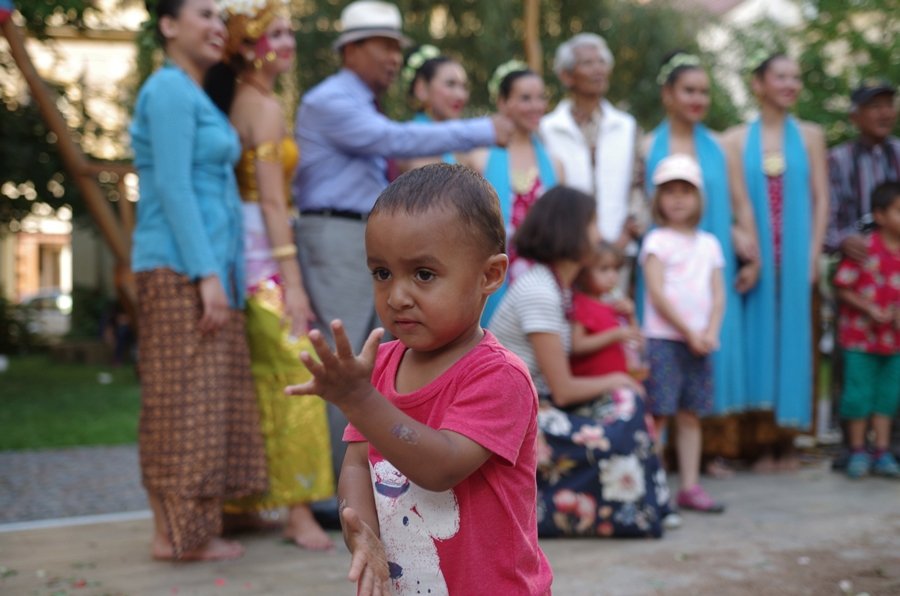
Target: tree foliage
30 165
838 44
41 14
841 44
485 34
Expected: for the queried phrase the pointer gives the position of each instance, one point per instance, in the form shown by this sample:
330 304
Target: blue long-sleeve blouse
189 213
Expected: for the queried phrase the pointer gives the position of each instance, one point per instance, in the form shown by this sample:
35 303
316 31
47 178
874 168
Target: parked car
47 313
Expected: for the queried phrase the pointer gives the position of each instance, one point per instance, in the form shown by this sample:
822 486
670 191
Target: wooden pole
533 53
73 159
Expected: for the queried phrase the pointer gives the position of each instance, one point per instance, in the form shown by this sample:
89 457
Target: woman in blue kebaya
685 91
438 88
199 436
781 165
523 170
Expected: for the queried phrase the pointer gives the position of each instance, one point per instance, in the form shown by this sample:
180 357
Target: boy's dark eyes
381 274
423 275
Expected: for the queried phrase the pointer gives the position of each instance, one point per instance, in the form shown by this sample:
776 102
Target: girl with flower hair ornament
779 163
439 90
523 170
260 48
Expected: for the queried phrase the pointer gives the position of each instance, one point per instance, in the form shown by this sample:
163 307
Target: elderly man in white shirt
595 142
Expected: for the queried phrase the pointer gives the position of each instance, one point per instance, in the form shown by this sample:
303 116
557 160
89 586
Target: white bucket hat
369 18
678 166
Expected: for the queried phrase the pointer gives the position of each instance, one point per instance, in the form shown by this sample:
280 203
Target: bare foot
304 531
216 549
765 465
718 468
788 463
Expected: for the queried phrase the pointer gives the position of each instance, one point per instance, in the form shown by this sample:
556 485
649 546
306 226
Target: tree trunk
532 39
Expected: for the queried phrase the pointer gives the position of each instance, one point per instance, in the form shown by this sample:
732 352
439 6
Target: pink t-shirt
689 261
481 536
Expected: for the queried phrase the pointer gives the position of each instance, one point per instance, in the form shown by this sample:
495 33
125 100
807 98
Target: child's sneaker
858 464
886 466
672 520
697 499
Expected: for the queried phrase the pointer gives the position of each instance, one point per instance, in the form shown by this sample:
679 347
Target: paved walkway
813 532
60 483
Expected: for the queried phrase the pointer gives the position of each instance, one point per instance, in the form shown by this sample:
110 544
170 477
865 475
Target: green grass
45 404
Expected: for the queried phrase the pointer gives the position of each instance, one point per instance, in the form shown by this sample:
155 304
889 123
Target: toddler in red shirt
605 335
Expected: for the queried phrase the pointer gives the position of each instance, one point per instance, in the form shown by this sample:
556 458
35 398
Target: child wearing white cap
683 309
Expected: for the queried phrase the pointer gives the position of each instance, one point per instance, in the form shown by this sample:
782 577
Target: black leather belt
341 213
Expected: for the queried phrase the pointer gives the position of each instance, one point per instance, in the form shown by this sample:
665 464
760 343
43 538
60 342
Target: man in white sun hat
345 143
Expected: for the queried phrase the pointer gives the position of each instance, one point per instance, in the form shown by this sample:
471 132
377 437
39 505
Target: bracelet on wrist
284 251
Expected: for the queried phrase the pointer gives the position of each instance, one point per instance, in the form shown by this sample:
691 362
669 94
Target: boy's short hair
444 186
884 195
555 227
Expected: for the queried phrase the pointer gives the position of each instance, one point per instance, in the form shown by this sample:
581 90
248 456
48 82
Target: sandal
697 499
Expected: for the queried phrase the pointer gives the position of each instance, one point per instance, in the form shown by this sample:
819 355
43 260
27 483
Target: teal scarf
778 328
496 171
728 362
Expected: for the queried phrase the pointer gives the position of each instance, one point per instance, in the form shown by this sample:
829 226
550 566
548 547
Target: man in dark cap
859 165
855 168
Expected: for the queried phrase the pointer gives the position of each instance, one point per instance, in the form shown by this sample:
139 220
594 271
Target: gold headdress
247 20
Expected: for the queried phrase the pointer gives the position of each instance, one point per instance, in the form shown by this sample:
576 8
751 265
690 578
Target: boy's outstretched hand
368 564
339 377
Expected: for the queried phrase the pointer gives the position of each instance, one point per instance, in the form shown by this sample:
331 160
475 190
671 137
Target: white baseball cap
678 166
370 18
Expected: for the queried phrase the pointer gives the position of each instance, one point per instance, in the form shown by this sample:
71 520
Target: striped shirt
854 170
534 304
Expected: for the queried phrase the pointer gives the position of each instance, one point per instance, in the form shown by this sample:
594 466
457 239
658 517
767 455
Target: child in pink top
683 309
437 490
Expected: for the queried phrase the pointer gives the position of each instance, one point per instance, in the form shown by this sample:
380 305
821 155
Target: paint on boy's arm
405 434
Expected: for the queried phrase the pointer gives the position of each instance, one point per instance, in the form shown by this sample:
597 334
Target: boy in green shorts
869 333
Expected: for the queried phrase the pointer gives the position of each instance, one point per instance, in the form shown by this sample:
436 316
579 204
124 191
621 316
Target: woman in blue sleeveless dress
781 165
523 170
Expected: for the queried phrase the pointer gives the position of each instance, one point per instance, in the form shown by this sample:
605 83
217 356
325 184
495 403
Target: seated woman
597 472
